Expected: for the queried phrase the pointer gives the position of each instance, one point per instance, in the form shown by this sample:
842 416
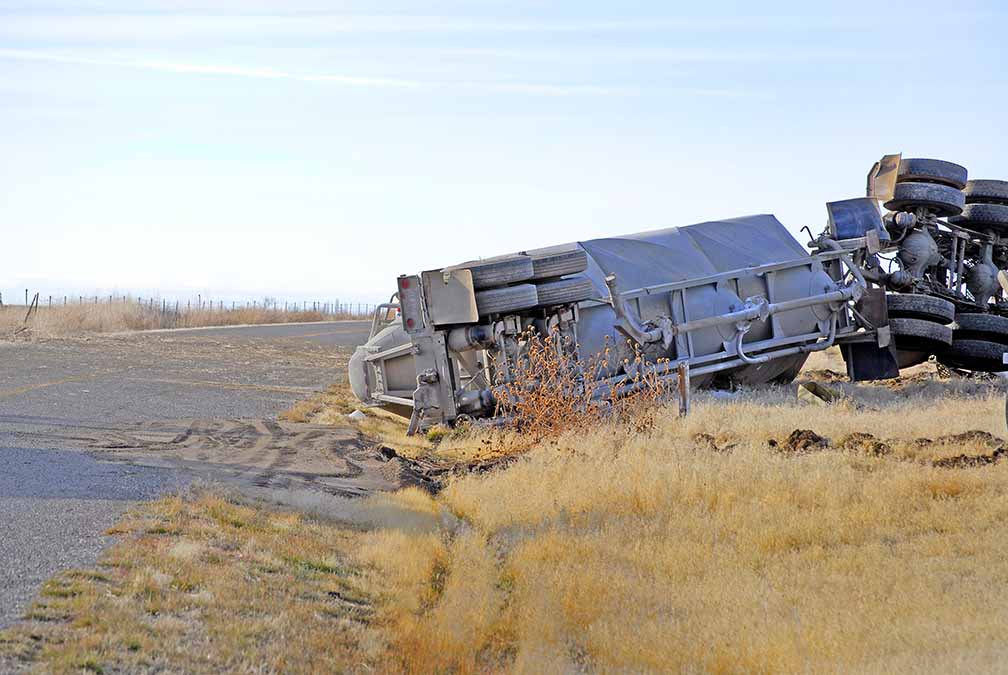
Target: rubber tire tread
913 306
942 199
987 327
498 271
565 291
921 170
986 191
506 299
552 265
986 214
978 355
920 335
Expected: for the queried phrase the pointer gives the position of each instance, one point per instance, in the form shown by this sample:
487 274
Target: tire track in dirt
278 457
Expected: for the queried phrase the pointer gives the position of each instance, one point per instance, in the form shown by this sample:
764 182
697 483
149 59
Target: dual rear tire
919 326
986 206
526 296
521 282
931 184
979 343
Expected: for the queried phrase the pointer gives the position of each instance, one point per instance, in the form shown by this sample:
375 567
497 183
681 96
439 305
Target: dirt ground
90 425
283 462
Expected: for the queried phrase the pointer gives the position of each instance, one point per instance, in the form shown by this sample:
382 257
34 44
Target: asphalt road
333 333
56 498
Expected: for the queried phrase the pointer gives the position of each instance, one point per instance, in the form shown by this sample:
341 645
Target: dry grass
698 547
205 585
124 316
689 545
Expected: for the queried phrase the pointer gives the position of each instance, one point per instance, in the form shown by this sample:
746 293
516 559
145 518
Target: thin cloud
545 89
208 69
189 25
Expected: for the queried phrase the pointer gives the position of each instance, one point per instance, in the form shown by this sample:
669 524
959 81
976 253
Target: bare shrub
551 391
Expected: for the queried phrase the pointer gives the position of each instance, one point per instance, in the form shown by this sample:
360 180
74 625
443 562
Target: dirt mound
823 375
433 471
709 442
973 437
971 461
903 381
865 444
801 441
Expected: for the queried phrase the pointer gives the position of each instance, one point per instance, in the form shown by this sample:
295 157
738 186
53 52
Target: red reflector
405 283
409 323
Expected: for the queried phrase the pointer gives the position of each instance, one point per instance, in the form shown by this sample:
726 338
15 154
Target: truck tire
565 291
942 199
989 327
982 214
498 271
979 355
927 307
986 191
920 335
552 265
920 170
506 299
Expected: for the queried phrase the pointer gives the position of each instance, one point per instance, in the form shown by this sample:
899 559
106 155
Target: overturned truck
724 302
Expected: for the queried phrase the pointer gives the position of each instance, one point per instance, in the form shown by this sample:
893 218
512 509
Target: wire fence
69 314
199 303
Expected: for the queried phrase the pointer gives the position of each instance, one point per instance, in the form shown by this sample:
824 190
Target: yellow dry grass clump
205 585
666 550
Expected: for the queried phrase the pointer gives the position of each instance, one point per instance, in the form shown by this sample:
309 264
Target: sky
319 149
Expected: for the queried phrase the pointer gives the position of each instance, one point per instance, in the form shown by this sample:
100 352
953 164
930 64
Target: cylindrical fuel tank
694 252
399 372
679 254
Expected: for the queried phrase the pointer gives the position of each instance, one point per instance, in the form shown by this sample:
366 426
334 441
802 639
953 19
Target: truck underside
735 301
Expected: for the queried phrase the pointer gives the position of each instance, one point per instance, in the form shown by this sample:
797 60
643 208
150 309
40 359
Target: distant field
120 315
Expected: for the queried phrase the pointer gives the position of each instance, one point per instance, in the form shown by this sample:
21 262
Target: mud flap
874 360
868 361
